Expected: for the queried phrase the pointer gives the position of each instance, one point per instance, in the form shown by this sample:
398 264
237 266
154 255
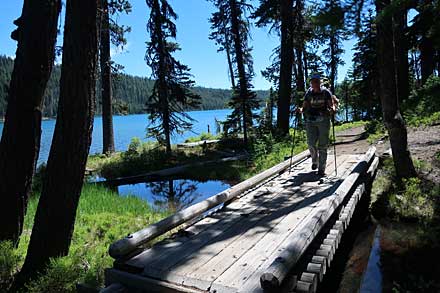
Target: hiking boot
314 166
321 173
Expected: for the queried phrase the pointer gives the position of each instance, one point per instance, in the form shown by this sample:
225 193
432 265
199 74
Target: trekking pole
334 143
295 124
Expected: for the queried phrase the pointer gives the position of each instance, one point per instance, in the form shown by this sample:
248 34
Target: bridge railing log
129 244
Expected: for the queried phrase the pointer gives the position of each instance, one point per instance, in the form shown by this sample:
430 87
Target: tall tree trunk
20 142
401 53
306 65
390 106
333 62
106 82
239 56
427 63
285 83
56 212
299 48
230 67
300 77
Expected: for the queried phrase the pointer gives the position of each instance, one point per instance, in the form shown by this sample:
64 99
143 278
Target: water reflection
173 195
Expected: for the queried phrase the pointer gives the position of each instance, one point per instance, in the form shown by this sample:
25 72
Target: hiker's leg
324 130
312 138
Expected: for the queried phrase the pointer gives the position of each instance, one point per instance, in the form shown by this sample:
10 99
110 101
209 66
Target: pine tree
244 100
171 91
365 71
330 21
20 142
221 34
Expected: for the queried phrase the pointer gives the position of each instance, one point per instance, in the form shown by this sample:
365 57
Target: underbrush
102 217
203 136
142 157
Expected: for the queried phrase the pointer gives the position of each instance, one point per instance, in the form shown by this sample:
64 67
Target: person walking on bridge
318 108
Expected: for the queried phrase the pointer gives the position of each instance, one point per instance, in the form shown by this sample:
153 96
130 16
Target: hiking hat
315 76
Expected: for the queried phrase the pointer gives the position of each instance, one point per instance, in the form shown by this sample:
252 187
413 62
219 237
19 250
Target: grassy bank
409 213
102 217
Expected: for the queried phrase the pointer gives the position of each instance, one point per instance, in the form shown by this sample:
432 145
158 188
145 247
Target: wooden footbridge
277 232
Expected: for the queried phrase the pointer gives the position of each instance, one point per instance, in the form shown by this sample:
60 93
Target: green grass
102 217
346 126
203 136
423 120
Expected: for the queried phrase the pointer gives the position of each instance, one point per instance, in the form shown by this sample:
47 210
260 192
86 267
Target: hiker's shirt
318 105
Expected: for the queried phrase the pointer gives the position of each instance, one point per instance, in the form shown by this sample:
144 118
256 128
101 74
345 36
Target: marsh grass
102 217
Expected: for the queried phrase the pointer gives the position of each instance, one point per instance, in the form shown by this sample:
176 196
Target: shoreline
46 118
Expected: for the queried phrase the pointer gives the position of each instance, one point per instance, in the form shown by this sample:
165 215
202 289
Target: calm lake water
127 127
173 195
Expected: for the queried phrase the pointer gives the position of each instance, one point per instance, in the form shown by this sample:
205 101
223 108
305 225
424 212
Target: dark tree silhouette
286 66
56 212
20 141
171 91
392 118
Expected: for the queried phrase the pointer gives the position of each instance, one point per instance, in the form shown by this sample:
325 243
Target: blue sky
198 52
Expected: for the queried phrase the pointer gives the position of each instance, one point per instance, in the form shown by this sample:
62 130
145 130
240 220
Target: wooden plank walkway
263 232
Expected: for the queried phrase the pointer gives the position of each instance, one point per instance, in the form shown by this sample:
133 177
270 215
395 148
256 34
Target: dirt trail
423 143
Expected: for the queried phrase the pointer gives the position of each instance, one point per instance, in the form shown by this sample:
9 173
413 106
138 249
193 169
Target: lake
127 127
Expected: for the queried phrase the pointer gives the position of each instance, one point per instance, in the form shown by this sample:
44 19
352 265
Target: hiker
318 108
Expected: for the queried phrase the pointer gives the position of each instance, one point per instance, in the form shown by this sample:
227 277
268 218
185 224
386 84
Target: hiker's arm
331 105
304 107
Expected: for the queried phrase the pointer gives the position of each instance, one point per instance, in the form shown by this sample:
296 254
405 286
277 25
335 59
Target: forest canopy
130 92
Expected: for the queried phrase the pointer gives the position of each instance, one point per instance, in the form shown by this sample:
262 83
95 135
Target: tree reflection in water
173 195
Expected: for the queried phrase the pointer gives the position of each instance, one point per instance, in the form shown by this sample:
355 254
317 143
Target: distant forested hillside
130 93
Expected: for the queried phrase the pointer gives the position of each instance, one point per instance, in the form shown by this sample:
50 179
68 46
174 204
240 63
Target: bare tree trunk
393 120
231 68
285 86
300 77
106 82
56 212
299 10
427 63
20 142
401 53
333 62
306 65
